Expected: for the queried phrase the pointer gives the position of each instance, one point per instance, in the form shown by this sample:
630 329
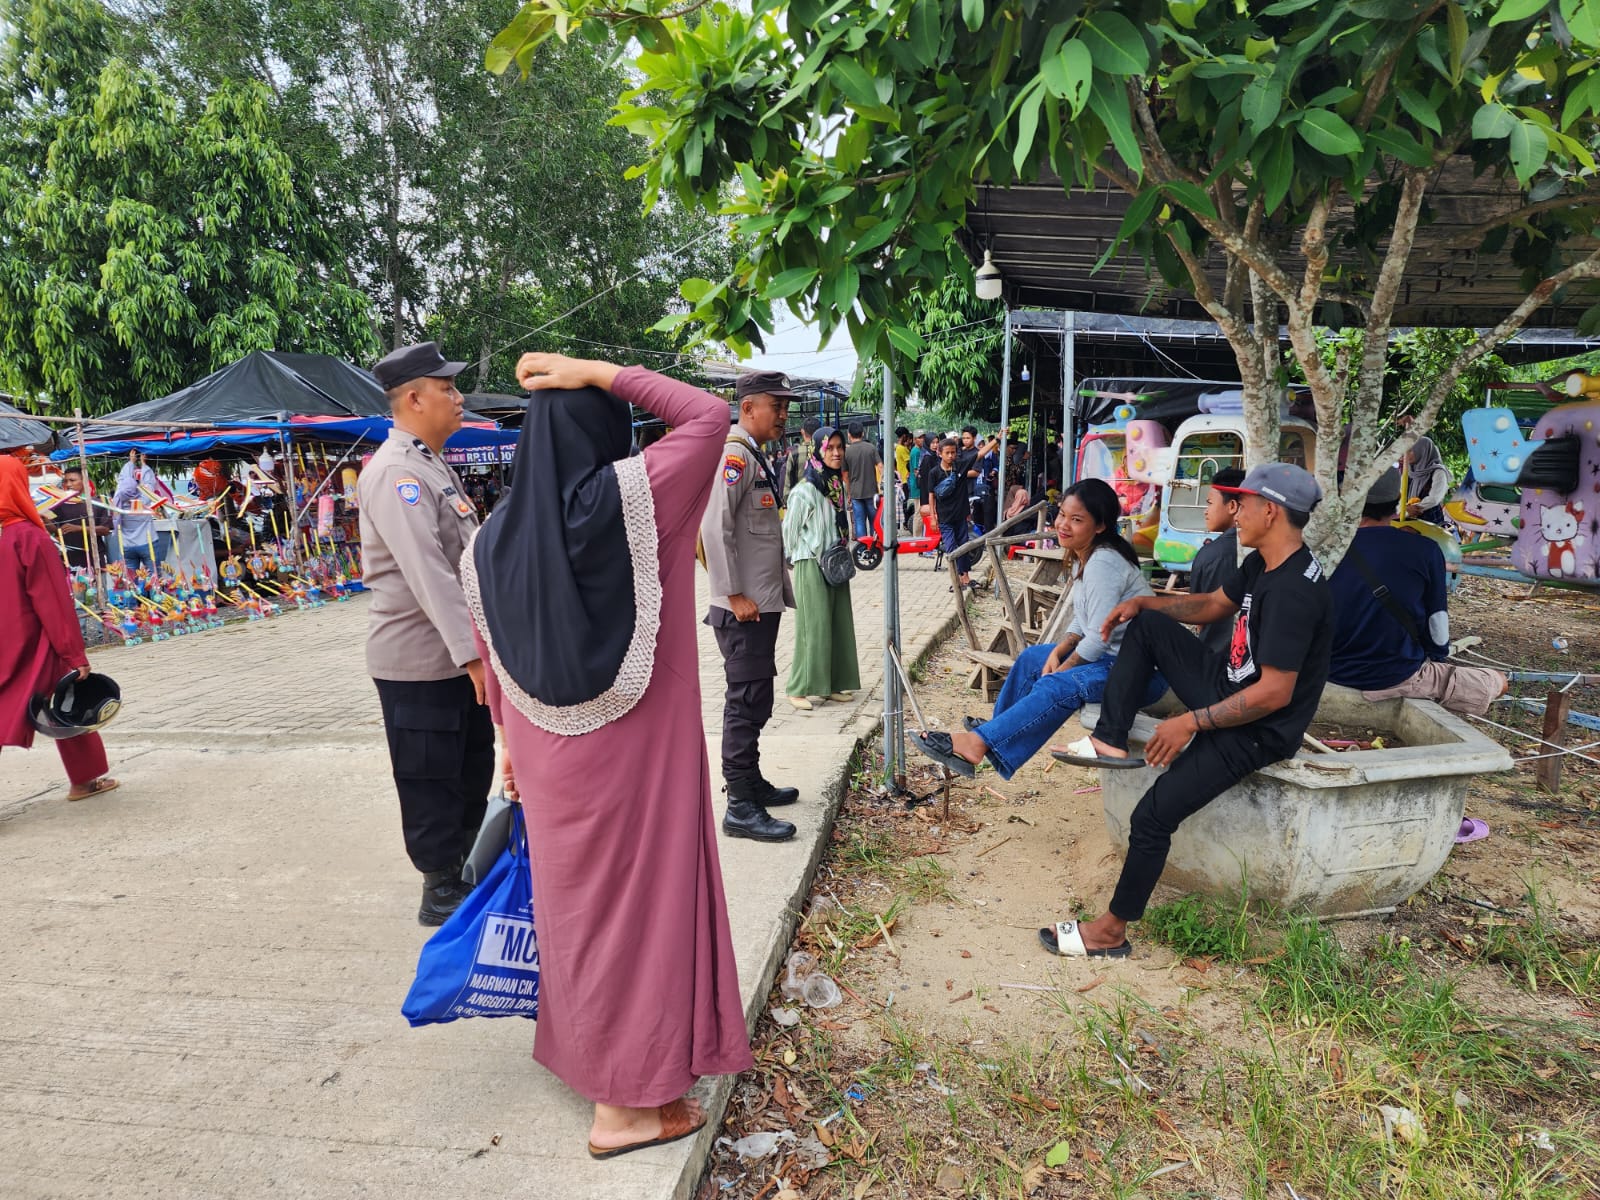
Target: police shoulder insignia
732 469
409 489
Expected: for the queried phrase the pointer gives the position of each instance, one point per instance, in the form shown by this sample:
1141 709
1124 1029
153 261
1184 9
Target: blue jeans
864 511
1032 706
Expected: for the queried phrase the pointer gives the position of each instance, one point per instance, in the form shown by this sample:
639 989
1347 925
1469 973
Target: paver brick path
202 972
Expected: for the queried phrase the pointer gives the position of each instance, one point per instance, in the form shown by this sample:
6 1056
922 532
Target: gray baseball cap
1282 483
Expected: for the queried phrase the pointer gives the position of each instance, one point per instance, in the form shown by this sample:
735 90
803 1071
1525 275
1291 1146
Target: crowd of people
562 627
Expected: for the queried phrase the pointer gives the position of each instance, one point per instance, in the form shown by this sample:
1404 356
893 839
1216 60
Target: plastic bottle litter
800 965
759 1145
821 992
805 983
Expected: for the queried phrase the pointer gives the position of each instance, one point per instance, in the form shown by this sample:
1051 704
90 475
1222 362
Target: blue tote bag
483 961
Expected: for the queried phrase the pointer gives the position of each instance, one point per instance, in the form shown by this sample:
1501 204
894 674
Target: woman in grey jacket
1047 684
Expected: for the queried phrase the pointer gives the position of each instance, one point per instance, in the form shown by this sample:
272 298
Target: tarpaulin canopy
188 443
262 387
17 430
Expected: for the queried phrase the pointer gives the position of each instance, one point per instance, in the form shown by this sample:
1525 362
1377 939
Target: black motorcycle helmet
77 706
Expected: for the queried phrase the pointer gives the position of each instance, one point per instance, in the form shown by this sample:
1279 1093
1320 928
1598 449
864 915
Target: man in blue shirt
1392 630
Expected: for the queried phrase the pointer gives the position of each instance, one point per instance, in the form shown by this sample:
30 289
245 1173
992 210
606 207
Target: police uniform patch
732 469
768 501
409 489
463 508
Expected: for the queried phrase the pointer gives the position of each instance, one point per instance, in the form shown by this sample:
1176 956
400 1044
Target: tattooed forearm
1238 709
1194 610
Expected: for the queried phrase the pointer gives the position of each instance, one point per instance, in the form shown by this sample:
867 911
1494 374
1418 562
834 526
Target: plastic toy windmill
47 496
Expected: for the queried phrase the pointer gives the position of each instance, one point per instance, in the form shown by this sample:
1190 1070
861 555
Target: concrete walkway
202 972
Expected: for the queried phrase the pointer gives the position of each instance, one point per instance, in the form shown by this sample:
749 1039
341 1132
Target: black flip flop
1131 763
938 747
1076 948
971 724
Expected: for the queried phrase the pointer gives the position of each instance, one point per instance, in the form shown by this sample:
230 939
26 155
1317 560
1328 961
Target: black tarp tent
17 430
259 387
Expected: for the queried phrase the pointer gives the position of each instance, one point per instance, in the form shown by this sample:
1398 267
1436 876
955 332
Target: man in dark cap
742 534
1246 709
415 522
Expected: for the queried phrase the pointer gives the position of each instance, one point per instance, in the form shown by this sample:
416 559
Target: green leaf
1140 210
1118 48
972 14
905 340
1583 20
1277 173
786 283
1529 149
854 81
925 31
1493 121
1401 145
1068 74
1457 22
1422 112
1107 101
1027 127
1058 1154
1186 12
1325 130
1285 7
1517 10
1581 99
694 290
1261 104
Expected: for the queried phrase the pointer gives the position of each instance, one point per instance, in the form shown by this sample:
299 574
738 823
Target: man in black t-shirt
1247 708
1217 561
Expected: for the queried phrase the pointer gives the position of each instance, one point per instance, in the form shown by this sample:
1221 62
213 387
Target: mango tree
1295 141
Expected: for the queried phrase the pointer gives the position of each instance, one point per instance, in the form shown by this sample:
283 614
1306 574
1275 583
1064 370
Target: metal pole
1005 416
1033 396
1069 384
288 496
95 562
894 755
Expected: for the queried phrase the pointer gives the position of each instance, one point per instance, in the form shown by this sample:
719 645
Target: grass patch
1538 952
1200 927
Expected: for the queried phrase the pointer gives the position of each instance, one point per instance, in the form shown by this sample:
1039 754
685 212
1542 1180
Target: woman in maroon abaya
42 641
581 585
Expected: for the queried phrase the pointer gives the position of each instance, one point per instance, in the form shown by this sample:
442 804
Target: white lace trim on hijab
638 662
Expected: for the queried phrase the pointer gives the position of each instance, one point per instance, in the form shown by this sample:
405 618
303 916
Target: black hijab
552 577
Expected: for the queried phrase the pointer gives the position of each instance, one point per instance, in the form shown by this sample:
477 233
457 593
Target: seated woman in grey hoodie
1049 683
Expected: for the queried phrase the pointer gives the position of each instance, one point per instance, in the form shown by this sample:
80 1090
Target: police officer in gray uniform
415 522
742 532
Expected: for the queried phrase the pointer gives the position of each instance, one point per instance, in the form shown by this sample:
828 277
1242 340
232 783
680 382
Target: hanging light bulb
1025 375
989 280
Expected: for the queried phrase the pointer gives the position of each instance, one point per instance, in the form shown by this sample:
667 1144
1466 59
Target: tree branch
1375 352
1469 238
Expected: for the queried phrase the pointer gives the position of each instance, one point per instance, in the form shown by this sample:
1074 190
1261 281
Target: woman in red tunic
581 586
42 641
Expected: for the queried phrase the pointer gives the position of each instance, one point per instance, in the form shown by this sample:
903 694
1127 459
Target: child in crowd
1217 561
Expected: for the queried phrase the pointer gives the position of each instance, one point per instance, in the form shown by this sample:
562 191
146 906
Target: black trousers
441 746
750 662
1212 763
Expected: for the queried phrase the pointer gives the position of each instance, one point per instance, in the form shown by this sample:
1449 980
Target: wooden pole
1557 704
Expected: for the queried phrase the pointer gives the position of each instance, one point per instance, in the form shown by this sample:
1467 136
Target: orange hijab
16 502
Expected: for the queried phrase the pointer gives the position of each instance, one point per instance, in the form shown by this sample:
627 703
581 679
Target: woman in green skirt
825 665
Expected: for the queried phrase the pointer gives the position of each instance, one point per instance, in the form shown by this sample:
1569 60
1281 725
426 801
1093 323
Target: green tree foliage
474 209
848 140
148 240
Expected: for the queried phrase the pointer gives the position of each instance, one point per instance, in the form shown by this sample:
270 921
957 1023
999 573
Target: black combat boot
442 893
747 818
771 796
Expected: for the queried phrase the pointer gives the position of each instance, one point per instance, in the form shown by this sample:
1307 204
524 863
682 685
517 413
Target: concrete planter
1331 834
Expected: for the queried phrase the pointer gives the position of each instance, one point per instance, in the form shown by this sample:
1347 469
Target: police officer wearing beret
415 522
742 534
